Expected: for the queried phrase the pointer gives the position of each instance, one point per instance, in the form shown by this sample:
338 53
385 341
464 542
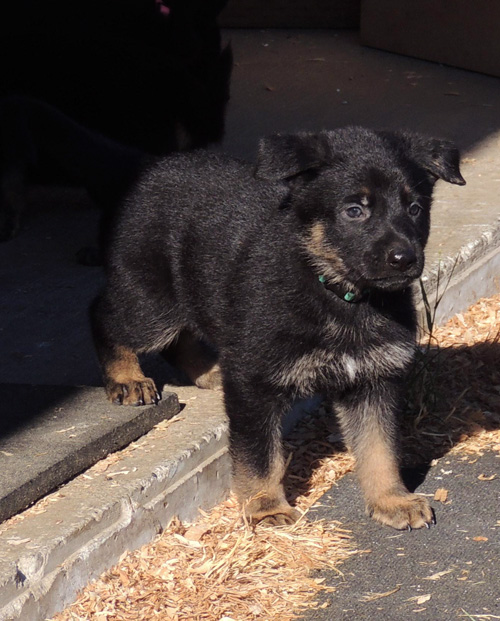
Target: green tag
322 278
349 296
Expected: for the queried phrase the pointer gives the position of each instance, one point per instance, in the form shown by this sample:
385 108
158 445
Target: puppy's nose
401 259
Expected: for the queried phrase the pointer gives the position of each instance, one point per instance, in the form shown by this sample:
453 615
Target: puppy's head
362 199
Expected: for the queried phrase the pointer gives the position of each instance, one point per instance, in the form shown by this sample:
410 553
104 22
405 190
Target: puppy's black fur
298 272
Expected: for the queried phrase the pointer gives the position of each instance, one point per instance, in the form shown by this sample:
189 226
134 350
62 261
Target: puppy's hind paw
269 511
211 380
281 519
133 392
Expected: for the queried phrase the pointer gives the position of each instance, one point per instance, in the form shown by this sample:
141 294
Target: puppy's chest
329 367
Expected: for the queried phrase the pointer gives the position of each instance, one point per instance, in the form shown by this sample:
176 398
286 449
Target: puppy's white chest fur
322 369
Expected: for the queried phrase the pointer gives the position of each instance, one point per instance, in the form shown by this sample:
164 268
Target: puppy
298 272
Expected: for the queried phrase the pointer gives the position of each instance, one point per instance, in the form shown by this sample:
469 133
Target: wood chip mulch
220 569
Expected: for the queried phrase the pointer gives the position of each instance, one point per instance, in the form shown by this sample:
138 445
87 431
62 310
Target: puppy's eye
414 209
355 211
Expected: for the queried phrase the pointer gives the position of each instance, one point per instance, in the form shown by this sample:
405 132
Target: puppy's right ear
282 157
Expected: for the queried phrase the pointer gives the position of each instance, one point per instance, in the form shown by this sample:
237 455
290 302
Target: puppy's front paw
133 392
271 511
403 511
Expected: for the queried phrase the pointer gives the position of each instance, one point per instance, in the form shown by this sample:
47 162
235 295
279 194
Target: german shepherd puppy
298 272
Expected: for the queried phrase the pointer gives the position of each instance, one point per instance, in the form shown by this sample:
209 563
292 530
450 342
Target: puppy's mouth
396 282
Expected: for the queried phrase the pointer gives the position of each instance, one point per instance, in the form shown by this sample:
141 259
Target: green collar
343 293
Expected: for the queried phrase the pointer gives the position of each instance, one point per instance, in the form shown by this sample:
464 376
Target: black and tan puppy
298 272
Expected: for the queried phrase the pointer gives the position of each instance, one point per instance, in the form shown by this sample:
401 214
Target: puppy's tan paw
133 392
211 380
403 511
271 511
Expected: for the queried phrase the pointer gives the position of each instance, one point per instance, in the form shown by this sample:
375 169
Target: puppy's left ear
282 157
442 159
439 157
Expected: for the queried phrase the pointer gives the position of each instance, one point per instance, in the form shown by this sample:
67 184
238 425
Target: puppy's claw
402 511
134 392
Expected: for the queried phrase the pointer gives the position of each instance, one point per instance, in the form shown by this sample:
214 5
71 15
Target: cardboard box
462 33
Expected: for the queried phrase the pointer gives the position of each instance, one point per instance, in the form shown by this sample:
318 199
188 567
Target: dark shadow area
453 395
21 404
138 71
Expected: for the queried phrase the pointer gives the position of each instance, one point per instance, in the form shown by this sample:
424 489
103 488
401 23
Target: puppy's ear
284 156
439 157
442 160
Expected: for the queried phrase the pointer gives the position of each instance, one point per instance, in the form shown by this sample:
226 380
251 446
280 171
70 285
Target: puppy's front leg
257 452
124 381
367 417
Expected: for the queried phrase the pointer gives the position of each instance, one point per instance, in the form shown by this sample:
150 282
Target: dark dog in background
149 74
39 143
298 273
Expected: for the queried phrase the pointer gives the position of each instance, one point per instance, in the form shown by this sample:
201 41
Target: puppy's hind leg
257 453
197 359
124 381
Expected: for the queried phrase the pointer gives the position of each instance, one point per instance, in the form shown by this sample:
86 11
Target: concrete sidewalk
282 81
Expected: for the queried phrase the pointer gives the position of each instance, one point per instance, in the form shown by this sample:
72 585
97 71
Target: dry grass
220 569
454 399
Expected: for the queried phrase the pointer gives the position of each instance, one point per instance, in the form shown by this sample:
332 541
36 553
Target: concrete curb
79 422
456 283
85 527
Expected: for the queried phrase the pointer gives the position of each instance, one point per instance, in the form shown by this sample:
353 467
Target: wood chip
438 575
420 599
441 495
372 597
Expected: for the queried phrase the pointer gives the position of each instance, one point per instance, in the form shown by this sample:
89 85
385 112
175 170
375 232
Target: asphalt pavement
447 572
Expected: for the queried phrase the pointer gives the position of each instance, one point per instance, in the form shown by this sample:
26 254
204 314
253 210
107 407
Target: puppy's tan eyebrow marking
363 197
406 193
